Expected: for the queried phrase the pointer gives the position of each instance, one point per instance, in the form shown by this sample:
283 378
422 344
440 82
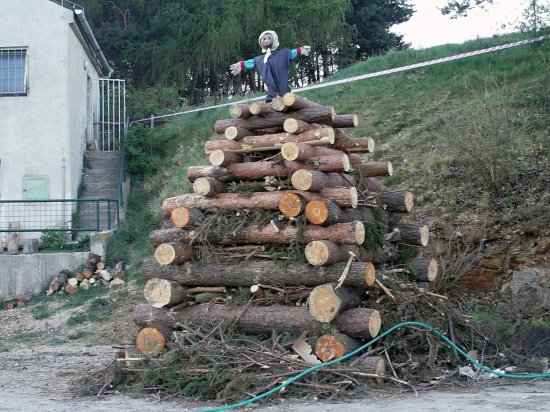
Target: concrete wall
22 275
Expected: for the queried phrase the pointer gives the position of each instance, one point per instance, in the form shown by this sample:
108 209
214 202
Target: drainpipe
63 197
83 23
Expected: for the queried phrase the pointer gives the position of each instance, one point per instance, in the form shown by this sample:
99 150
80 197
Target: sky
428 27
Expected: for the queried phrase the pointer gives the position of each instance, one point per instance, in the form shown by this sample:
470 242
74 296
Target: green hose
332 362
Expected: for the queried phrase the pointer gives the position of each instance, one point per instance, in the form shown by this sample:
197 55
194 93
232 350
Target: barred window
13 72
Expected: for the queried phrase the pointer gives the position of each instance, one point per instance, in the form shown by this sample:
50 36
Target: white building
50 64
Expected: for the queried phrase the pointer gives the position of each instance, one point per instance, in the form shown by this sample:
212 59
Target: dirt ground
42 378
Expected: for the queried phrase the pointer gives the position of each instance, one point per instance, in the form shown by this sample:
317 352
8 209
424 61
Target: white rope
362 77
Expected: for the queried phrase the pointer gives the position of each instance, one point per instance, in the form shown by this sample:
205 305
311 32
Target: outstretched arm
300 51
236 68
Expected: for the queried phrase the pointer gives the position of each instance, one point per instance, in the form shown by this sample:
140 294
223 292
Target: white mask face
266 40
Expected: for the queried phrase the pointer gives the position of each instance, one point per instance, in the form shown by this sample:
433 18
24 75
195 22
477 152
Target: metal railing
58 215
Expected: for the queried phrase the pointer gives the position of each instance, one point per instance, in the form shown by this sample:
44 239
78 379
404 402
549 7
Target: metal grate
76 215
13 72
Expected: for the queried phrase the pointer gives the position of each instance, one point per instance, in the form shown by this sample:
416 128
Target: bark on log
318 114
296 126
161 292
220 158
326 164
151 341
400 201
374 365
302 152
325 301
93 260
260 109
239 111
318 137
181 217
326 212
424 270
344 197
324 252
361 323
370 169
314 181
335 345
355 145
173 253
208 186
238 171
345 120
413 234
236 133
261 272
296 102
350 233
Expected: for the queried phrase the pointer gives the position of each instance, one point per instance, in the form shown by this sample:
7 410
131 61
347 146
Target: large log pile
284 182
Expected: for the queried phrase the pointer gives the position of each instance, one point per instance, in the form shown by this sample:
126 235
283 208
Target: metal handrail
122 169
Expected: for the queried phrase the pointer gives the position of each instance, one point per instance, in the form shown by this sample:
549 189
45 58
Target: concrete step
100 193
106 184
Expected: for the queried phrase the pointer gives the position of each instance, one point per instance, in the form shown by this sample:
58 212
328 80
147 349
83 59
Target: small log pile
292 219
94 273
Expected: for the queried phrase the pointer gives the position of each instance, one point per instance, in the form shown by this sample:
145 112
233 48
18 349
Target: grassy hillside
469 138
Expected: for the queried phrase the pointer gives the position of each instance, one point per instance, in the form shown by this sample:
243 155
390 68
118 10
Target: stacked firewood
316 193
94 273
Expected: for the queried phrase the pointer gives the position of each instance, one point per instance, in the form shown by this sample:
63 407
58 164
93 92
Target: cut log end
208 186
302 179
290 151
329 347
318 252
292 204
354 197
291 125
375 322
370 274
323 303
170 253
409 201
150 341
432 270
390 168
359 232
424 235
317 212
180 217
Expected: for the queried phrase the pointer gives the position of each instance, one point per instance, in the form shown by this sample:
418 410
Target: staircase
100 181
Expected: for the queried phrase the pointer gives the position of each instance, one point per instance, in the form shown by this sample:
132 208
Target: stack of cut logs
321 194
94 273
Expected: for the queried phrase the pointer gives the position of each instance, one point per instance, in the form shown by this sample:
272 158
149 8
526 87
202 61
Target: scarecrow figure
273 66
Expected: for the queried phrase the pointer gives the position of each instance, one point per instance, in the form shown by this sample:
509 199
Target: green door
35 188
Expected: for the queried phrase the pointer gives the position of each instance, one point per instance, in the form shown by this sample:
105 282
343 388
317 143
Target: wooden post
14 238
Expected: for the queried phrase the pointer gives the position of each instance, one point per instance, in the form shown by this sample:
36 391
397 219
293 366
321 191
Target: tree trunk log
239 111
400 201
374 365
325 252
413 235
296 102
161 292
292 204
351 233
370 169
184 217
325 302
208 186
345 120
335 345
173 253
317 137
344 197
223 159
326 212
260 108
361 323
151 341
302 152
327 164
318 114
236 133
424 270
296 126
314 181
238 171
355 145
261 272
